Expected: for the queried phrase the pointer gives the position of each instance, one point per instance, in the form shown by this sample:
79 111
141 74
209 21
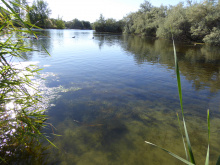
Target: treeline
198 22
193 22
77 24
108 25
38 14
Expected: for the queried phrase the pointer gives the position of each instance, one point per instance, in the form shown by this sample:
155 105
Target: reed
21 123
184 134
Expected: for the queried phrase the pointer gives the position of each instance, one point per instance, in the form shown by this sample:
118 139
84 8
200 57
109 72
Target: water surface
113 92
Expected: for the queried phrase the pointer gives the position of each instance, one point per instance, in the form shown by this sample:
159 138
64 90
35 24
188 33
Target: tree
59 23
39 13
203 18
86 25
175 23
145 22
16 5
108 25
198 22
99 25
77 24
146 6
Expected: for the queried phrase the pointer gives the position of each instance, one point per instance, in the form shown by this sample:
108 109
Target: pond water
110 94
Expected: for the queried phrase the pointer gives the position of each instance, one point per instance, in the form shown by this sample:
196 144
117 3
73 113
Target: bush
214 37
109 25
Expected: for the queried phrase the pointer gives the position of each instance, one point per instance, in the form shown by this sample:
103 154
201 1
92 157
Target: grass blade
181 104
187 157
172 154
208 123
12 10
45 49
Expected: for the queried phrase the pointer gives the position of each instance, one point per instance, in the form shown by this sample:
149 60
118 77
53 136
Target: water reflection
200 64
107 39
42 44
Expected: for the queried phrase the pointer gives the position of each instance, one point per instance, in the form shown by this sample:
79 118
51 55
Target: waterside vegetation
38 14
196 22
22 121
108 25
21 116
192 22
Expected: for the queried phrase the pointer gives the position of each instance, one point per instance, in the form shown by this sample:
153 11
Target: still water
109 94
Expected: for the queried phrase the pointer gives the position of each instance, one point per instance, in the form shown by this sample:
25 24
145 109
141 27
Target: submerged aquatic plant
188 150
20 117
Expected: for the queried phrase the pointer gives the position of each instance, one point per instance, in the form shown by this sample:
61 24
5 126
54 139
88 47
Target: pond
111 93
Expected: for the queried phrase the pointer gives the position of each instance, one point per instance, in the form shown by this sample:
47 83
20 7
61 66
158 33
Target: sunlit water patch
38 86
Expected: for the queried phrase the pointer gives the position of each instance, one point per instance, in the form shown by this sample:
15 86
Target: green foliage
146 6
175 22
86 25
59 23
21 118
38 13
214 37
77 24
195 22
108 25
146 20
203 18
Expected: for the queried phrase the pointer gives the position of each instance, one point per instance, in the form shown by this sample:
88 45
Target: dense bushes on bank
108 25
195 22
198 22
77 24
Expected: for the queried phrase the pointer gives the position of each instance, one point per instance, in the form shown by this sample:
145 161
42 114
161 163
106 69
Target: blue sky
90 10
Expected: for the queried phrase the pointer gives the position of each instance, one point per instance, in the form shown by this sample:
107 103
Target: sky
90 10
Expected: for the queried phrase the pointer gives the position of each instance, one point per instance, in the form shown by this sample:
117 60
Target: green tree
198 22
175 23
146 20
146 6
99 25
68 24
76 24
203 17
214 37
59 23
86 25
39 13
108 25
